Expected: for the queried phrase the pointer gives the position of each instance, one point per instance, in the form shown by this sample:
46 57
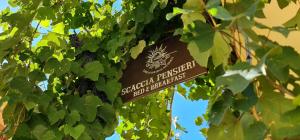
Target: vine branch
170 118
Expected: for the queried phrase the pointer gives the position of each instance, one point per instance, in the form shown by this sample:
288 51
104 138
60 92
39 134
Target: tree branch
170 118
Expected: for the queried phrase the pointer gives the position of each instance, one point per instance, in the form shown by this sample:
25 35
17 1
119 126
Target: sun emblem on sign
158 58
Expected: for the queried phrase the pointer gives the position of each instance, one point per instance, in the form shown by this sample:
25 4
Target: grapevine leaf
55 115
37 76
111 88
138 49
75 132
220 13
59 28
73 117
91 103
45 53
21 84
212 3
91 45
295 21
179 127
239 77
219 108
236 83
177 11
271 111
107 113
220 51
52 65
92 70
181 90
283 3
256 131
249 99
296 101
193 5
204 36
230 128
200 57
52 135
198 121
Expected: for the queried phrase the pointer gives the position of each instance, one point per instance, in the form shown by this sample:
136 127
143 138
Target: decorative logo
157 60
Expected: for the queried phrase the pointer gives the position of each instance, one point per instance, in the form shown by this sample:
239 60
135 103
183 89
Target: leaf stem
255 114
214 24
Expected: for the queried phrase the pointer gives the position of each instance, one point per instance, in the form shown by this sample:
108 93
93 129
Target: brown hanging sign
159 66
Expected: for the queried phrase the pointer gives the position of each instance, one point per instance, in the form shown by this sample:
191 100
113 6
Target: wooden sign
159 66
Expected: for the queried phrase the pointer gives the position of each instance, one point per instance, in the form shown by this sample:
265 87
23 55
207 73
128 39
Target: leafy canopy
60 62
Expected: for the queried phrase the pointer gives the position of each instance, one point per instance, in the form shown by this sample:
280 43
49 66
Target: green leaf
107 113
213 3
76 68
199 93
21 84
45 13
198 121
91 45
203 36
272 106
73 117
181 90
59 28
75 132
220 51
295 21
200 57
91 103
39 130
229 129
111 88
193 5
92 70
220 13
85 136
179 127
51 135
87 106
248 100
256 131
138 49
219 108
52 65
236 83
283 3
296 101
45 53
54 115
239 77
177 11
142 14
37 76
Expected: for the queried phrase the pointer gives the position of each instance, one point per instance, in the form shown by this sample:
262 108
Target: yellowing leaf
59 28
45 23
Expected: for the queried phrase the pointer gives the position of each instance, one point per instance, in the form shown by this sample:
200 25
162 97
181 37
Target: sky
186 111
